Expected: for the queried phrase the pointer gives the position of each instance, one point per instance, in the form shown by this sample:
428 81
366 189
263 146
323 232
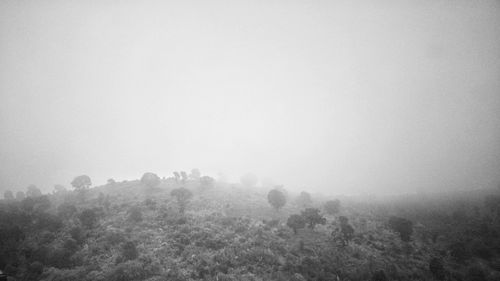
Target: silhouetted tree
207 182
111 182
177 176
184 177
296 222
276 198
332 207
402 226
182 195
59 189
33 191
81 184
312 217
346 230
150 180
249 180
7 195
304 199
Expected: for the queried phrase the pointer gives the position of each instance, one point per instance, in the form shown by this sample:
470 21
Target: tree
7 195
111 181
66 210
150 180
135 214
59 189
177 176
436 267
88 218
332 207
20 196
346 230
195 174
276 198
402 226
207 182
296 222
184 177
81 184
33 191
129 251
312 217
182 195
249 180
304 199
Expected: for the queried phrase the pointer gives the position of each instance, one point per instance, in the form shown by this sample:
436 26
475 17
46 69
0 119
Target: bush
129 251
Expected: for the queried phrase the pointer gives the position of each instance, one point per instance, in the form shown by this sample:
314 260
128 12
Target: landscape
193 227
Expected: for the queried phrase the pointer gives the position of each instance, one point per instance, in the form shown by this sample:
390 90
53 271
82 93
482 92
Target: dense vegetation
191 227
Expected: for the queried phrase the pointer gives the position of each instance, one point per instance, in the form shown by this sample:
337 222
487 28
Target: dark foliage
276 198
402 226
312 217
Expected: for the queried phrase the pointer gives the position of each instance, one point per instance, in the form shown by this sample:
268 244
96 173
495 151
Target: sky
340 97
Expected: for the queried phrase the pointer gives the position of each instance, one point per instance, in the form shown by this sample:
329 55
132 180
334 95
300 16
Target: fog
341 97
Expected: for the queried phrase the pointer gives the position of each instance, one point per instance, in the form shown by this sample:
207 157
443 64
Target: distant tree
150 180
332 207
59 189
101 198
88 218
276 198
135 214
312 217
66 210
107 203
41 203
20 196
177 176
184 177
304 199
182 195
33 191
207 182
81 184
111 182
436 267
346 230
7 195
296 222
195 174
249 180
402 226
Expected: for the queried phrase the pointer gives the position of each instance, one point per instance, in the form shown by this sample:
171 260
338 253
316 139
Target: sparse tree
346 230
33 191
312 217
276 198
304 199
296 222
184 177
7 195
249 180
59 189
402 226
111 182
177 176
332 207
150 180
182 195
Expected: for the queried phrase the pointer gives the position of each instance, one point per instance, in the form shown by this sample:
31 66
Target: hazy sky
338 96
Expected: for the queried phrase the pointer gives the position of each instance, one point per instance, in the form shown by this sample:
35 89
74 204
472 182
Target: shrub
129 251
276 198
346 230
312 217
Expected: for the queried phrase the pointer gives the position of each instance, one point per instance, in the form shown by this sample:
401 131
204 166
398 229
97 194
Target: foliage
135 214
276 198
402 226
332 207
296 222
312 217
129 251
207 182
7 195
182 195
346 230
81 182
195 174
20 196
33 191
88 218
150 180
304 199
436 267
